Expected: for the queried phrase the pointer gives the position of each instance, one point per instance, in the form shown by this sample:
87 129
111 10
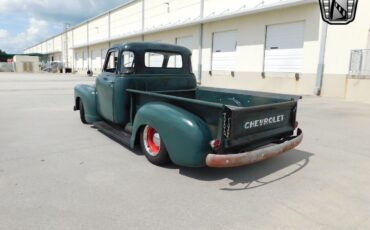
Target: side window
163 60
111 62
128 60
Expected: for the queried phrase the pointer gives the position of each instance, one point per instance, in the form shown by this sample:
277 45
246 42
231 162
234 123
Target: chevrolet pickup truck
147 96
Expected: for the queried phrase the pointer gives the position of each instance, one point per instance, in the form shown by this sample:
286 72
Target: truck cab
147 94
147 67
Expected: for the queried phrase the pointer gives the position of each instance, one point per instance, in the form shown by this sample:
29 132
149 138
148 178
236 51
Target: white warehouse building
265 45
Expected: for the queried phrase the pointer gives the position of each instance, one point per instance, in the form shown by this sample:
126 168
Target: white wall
217 7
38 49
162 13
57 43
98 29
44 48
49 46
126 21
80 35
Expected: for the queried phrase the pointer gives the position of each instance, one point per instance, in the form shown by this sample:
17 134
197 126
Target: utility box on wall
29 64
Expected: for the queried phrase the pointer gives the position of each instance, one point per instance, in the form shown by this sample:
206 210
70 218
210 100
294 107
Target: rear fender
87 94
185 135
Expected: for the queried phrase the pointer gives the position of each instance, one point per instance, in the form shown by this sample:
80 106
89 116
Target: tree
2 52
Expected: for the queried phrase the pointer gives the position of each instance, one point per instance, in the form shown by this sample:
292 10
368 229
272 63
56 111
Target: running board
115 132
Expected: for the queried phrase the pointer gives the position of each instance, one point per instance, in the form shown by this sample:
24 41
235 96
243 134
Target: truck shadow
256 175
247 177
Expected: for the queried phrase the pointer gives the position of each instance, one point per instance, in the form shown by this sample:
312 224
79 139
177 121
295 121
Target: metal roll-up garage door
79 60
284 47
95 60
85 60
224 50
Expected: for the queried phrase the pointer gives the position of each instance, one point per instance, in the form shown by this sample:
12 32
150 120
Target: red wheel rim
154 148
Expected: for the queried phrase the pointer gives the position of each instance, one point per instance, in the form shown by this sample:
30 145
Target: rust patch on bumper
235 160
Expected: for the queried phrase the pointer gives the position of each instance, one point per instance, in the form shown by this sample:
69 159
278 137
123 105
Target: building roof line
84 22
196 21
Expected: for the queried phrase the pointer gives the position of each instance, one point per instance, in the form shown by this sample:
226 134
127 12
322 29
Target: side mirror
129 70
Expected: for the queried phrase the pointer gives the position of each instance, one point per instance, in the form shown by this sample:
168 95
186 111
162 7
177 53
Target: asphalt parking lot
56 173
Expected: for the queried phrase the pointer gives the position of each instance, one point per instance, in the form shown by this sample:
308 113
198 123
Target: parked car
53 67
147 96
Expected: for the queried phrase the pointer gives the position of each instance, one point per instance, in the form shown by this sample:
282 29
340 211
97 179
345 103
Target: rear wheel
82 112
153 147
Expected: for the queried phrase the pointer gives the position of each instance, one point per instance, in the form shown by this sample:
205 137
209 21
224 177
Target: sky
24 23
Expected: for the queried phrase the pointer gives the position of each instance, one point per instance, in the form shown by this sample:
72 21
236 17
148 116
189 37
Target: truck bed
232 97
241 119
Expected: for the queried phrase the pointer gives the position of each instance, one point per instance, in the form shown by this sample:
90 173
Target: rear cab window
165 60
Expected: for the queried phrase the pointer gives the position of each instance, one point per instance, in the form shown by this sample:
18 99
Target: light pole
66 27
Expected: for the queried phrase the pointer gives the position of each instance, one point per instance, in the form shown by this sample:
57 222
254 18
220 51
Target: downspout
142 19
321 65
200 46
53 47
73 52
109 30
88 46
66 46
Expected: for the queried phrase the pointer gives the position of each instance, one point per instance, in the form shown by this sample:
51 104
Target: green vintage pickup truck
147 96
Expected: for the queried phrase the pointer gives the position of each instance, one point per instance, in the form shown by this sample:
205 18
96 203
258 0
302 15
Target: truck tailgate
251 127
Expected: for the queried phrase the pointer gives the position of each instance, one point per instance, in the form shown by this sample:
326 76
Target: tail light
215 144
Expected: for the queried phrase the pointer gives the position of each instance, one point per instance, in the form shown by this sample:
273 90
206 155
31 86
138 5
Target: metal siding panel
216 7
98 29
162 13
126 20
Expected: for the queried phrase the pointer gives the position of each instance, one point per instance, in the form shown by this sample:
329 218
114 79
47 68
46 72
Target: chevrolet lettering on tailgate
264 122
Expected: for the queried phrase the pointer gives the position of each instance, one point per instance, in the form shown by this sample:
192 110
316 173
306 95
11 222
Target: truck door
105 85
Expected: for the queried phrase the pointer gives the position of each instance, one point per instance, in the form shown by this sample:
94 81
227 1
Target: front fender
185 135
87 94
